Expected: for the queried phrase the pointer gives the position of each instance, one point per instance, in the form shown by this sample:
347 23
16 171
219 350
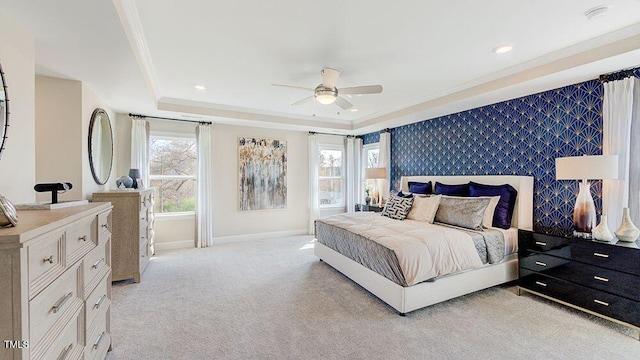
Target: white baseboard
173 245
257 236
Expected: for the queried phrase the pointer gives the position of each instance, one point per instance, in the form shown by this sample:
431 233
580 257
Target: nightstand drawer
540 242
611 281
607 256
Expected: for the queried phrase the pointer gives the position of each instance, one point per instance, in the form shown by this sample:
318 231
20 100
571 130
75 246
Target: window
172 173
371 154
331 177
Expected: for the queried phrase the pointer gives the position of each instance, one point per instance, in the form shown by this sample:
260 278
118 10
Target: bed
407 297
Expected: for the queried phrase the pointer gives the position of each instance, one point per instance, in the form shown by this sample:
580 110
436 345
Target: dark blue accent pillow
452 190
403 195
420 187
504 210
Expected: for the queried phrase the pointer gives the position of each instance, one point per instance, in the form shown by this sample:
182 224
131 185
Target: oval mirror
100 146
4 112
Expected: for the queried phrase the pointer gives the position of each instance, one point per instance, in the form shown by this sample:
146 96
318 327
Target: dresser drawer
98 338
45 261
80 239
606 304
97 302
104 222
607 256
611 281
540 242
94 266
144 256
53 304
67 345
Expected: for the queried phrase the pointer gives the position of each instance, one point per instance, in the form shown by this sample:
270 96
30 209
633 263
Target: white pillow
425 208
487 220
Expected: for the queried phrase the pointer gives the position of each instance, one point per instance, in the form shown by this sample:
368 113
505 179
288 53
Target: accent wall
522 136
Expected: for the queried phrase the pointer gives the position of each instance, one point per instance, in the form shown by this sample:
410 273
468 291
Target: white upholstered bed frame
407 299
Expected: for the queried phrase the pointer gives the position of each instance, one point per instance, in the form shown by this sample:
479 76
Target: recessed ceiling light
502 48
354 109
597 12
200 87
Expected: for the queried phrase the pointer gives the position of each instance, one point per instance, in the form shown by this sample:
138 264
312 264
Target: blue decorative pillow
420 187
403 195
504 210
452 190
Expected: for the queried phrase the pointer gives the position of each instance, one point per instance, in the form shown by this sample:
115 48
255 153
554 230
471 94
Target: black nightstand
364 207
601 278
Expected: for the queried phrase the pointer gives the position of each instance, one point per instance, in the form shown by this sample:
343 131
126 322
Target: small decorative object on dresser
627 230
602 279
124 182
367 199
8 214
135 175
132 239
55 284
602 232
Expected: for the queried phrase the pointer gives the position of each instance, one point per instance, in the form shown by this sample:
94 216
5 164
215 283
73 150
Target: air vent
597 12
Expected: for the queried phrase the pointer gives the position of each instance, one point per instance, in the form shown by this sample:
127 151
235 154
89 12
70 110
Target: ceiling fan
327 92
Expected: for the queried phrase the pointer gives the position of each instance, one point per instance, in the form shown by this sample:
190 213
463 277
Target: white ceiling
431 57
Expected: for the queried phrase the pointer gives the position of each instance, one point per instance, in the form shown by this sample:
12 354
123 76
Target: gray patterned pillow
397 207
466 212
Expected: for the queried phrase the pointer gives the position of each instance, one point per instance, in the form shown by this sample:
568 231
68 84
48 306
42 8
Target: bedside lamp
375 174
587 167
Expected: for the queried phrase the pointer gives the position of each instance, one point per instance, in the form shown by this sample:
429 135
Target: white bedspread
424 250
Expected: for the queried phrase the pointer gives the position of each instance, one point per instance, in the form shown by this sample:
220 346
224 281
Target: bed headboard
523 212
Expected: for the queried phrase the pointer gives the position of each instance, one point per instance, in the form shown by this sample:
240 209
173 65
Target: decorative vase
124 182
602 232
367 200
627 231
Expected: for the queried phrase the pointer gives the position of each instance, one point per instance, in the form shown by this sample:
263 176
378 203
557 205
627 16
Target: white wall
18 163
63 113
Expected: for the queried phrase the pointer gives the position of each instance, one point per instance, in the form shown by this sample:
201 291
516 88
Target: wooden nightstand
364 207
600 278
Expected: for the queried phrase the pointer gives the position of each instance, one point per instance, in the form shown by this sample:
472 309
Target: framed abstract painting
262 173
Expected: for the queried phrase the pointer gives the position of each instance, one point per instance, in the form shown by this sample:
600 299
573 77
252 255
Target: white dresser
55 284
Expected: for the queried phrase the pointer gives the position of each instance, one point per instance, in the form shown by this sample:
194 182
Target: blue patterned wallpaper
522 136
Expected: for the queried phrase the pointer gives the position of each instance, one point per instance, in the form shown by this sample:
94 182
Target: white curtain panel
314 202
617 112
140 148
204 210
384 160
353 172
634 157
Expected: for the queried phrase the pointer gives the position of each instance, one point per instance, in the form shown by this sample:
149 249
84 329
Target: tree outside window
331 177
172 173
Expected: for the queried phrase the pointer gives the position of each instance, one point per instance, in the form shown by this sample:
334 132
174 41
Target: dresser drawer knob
541 283
56 307
97 263
540 243
100 301
49 260
106 226
601 278
98 340
83 238
601 255
601 302
65 352
540 263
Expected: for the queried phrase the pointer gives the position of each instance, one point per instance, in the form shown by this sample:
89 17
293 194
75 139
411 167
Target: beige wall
17 166
63 114
230 222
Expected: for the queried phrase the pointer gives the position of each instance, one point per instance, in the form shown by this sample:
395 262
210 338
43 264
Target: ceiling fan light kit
325 96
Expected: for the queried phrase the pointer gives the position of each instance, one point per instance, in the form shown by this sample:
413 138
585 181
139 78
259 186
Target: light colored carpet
273 299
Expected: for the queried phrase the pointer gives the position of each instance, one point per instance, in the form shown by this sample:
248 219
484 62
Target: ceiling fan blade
300 102
293 87
329 77
369 89
343 103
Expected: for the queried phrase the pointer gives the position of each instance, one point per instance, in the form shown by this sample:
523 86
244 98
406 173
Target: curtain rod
165 118
618 74
321 133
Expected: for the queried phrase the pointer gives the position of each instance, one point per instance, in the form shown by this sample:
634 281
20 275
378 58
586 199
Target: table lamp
585 168
375 174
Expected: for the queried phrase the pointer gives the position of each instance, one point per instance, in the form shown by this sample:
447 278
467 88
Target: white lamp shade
375 173
587 167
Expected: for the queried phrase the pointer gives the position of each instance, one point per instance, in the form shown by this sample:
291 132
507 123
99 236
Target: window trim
177 215
342 177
